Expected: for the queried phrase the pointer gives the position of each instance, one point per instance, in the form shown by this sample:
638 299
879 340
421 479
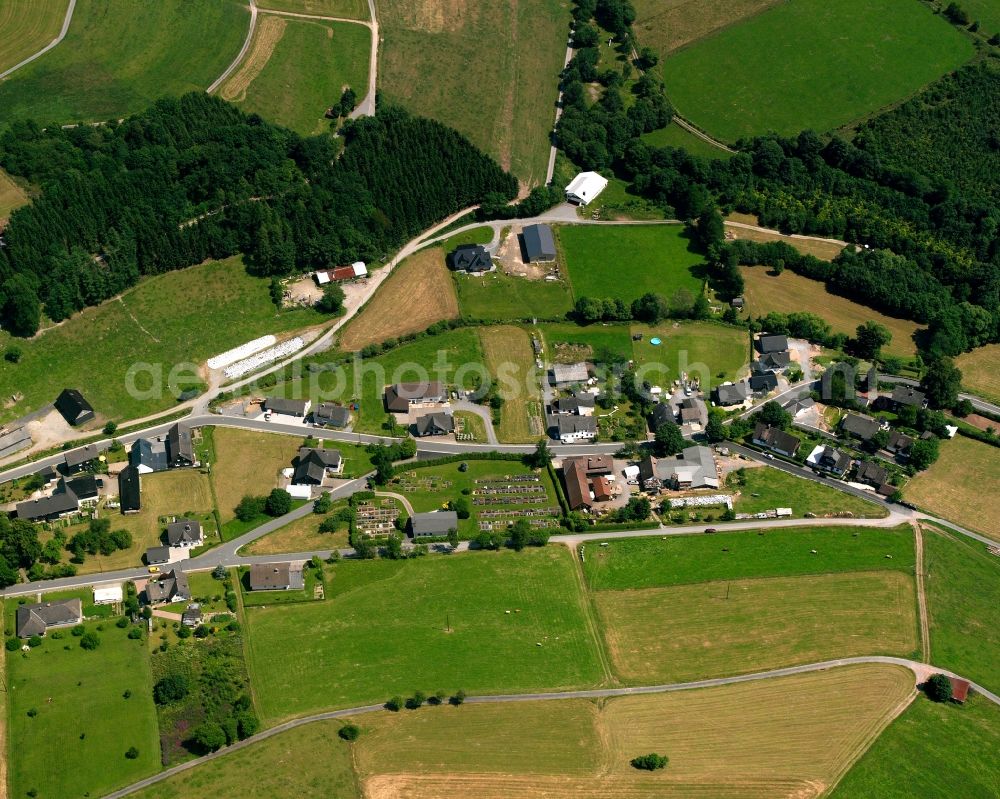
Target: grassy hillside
26 26
352 9
979 371
666 25
811 64
119 55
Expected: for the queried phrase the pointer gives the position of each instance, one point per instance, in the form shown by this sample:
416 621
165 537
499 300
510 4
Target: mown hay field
11 196
981 371
248 462
511 362
715 352
666 25
26 26
732 627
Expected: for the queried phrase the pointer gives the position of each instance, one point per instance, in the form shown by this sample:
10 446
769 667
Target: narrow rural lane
243 50
925 627
701 134
62 35
554 150
920 672
367 106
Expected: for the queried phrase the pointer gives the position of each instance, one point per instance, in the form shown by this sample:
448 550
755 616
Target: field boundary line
252 5
925 627
62 35
591 615
699 133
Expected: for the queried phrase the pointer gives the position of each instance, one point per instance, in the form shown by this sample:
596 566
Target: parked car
711 530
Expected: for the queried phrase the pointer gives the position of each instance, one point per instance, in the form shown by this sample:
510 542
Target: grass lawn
979 371
955 486
761 488
301 535
94 350
811 64
351 9
11 195
789 292
617 203
986 12
422 285
378 647
489 70
471 424
483 234
511 362
963 606
716 352
248 462
932 751
26 26
118 57
657 562
673 135
567 342
297 68
715 629
497 295
666 25
627 261
824 249
82 712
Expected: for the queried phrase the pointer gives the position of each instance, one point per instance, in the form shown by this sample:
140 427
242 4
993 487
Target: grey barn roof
180 448
470 258
78 457
149 454
61 501
74 408
775 343
275 577
539 245
157 555
311 465
437 523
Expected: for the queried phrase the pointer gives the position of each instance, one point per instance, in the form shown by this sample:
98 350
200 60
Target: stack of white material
255 362
240 352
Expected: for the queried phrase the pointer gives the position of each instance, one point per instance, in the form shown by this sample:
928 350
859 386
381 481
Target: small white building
299 491
108 595
585 187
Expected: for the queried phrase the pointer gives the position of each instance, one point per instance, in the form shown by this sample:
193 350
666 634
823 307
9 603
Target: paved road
366 108
920 673
977 402
243 50
62 35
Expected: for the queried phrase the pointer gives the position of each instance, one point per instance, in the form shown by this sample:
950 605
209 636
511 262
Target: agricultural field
455 632
760 489
12 196
511 361
223 308
301 535
756 741
666 25
979 371
714 629
421 285
618 203
350 9
963 605
673 135
435 61
715 352
655 562
297 68
778 71
77 696
908 759
497 295
247 462
119 57
627 261
789 292
955 486
26 26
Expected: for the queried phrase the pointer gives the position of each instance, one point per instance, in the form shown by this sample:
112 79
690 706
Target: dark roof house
148 456
899 443
471 258
873 474
276 577
157 555
539 245
776 439
661 414
577 486
400 396
776 343
74 408
313 465
171 587
762 383
433 524
331 414
772 362
581 404
731 393
860 426
76 460
61 502
36 619
86 486
191 617
435 424
907 395
288 407
831 459
180 447
129 496
185 533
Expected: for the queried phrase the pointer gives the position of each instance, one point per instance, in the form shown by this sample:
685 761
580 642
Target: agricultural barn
538 243
470 258
585 187
567 374
74 408
340 274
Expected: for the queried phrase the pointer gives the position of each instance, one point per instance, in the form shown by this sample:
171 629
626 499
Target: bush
32 712
90 641
35 640
110 428
171 688
12 354
135 634
650 762
278 502
183 631
122 623
131 753
415 701
458 698
127 694
209 736
246 724
78 630
349 732
13 644
201 631
249 508
938 688
219 572
395 704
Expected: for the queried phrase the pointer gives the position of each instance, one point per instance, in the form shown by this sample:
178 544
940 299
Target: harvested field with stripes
26 26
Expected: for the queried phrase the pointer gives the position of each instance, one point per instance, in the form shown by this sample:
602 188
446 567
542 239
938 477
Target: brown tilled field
417 294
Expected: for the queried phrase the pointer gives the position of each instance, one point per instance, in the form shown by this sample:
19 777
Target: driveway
801 352
482 412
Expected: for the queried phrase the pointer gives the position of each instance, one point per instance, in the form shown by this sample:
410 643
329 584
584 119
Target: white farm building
585 187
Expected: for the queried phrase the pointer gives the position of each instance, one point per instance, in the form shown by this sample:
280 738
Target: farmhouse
471 259
74 408
776 439
156 556
577 476
129 496
568 374
573 429
578 405
77 460
585 187
331 414
860 426
435 524
148 456
171 587
288 407
435 424
341 273
693 468
829 459
37 619
108 595
538 244
731 393
185 533
85 487
399 397
180 447
313 465
276 577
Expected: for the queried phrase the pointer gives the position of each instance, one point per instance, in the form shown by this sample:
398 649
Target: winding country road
920 673
243 50
62 35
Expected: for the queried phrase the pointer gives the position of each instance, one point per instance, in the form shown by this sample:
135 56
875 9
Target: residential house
73 407
399 397
156 556
899 443
148 455
185 533
797 407
692 468
731 393
170 587
62 502
689 411
871 473
766 343
312 466
331 415
907 395
435 424
585 187
86 488
180 447
859 426
829 459
661 414
288 407
435 524
762 383
776 439
538 244
191 617
37 619
581 404
577 484
82 458
129 491
772 362
737 303
568 374
602 489
473 259
573 429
